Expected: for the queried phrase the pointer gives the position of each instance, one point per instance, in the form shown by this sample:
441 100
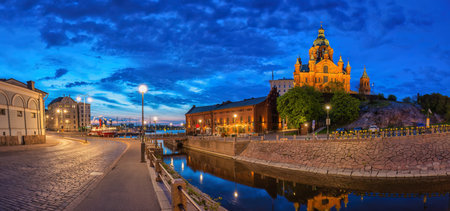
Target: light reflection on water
244 186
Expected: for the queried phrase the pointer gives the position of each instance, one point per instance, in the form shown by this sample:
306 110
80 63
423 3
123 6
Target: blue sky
199 52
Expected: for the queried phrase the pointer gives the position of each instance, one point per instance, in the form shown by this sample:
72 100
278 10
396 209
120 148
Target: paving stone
52 177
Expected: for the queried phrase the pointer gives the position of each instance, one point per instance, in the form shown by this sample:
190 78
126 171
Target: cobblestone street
52 177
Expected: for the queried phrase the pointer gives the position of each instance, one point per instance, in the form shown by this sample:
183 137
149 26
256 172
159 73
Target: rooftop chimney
30 85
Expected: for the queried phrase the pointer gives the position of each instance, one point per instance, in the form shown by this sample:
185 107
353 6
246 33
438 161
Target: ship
103 130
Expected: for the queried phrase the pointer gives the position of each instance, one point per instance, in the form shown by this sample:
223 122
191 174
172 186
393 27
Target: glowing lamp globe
143 89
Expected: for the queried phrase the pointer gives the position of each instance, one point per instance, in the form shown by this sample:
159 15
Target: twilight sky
199 53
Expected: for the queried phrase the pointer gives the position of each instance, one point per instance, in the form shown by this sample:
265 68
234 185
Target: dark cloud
78 83
58 74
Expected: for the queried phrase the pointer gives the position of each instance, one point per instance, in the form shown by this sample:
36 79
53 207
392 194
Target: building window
2 111
228 120
4 133
249 119
241 119
325 79
19 114
306 80
325 69
33 115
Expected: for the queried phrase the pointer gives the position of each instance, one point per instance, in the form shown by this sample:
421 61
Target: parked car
356 129
420 125
374 128
340 129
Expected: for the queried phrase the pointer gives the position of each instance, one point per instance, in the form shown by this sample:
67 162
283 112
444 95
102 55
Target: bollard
179 200
262 138
277 137
295 137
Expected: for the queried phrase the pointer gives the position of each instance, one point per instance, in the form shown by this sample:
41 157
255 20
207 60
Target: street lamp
62 117
89 99
201 128
142 89
306 125
328 107
154 119
235 125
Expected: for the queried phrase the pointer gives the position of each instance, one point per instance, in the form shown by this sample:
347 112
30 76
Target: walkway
126 187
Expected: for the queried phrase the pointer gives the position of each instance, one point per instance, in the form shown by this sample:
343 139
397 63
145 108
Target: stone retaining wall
9 140
34 139
423 155
221 147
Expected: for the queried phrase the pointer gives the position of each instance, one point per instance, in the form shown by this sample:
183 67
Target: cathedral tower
364 83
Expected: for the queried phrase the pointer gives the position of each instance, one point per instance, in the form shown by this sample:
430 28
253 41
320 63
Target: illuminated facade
320 71
255 115
66 114
364 83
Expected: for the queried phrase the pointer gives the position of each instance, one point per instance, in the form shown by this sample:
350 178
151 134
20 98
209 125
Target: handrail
167 173
189 198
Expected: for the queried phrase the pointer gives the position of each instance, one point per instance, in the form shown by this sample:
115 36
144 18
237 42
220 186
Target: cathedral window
325 79
325 69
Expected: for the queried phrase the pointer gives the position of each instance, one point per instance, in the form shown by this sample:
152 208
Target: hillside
391 114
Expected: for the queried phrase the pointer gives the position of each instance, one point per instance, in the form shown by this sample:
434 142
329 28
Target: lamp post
235 125
89 99
142 89
170 126
154 119
62 117
200 121
328 119
306 125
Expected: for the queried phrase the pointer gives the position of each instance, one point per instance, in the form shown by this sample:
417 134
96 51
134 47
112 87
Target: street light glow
143 88
328 107
235 194
89 99
78 99
235 115
57 111
155 118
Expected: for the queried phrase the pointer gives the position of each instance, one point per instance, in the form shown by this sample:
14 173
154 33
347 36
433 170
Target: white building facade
283 85
21 109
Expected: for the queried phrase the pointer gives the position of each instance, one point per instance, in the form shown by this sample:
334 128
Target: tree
392 98
299 105
437 103
334 86
381 96
407 100
344 108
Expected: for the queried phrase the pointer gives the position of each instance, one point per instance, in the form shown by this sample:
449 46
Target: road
50 178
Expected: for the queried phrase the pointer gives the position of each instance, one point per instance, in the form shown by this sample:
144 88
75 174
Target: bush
392 98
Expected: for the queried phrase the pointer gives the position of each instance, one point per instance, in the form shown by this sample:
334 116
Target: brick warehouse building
255 115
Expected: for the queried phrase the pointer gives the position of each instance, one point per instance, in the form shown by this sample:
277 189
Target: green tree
392 98
381 96
299 105
344 108
407 100
437 103
334 86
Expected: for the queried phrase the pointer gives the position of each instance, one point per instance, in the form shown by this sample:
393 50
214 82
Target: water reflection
246 186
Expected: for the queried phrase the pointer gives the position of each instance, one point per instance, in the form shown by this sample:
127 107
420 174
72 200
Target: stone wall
220 146
422 155
9 140
34 139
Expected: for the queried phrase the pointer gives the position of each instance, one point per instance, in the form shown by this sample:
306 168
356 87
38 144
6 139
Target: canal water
245 186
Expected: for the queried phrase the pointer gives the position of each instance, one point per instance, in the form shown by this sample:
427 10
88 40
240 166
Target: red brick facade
255 115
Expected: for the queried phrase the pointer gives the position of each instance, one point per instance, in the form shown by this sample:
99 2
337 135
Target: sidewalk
50 141
126 187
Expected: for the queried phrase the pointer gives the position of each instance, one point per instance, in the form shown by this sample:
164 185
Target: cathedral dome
321 40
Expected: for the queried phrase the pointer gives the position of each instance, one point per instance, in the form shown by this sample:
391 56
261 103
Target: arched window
325 69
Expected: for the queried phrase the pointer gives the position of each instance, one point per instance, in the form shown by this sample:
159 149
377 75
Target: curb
72 205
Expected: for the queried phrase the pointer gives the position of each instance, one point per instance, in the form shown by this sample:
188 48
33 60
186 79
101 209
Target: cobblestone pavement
51 178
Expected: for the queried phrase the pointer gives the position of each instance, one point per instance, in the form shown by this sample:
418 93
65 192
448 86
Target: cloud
77 84
58 74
